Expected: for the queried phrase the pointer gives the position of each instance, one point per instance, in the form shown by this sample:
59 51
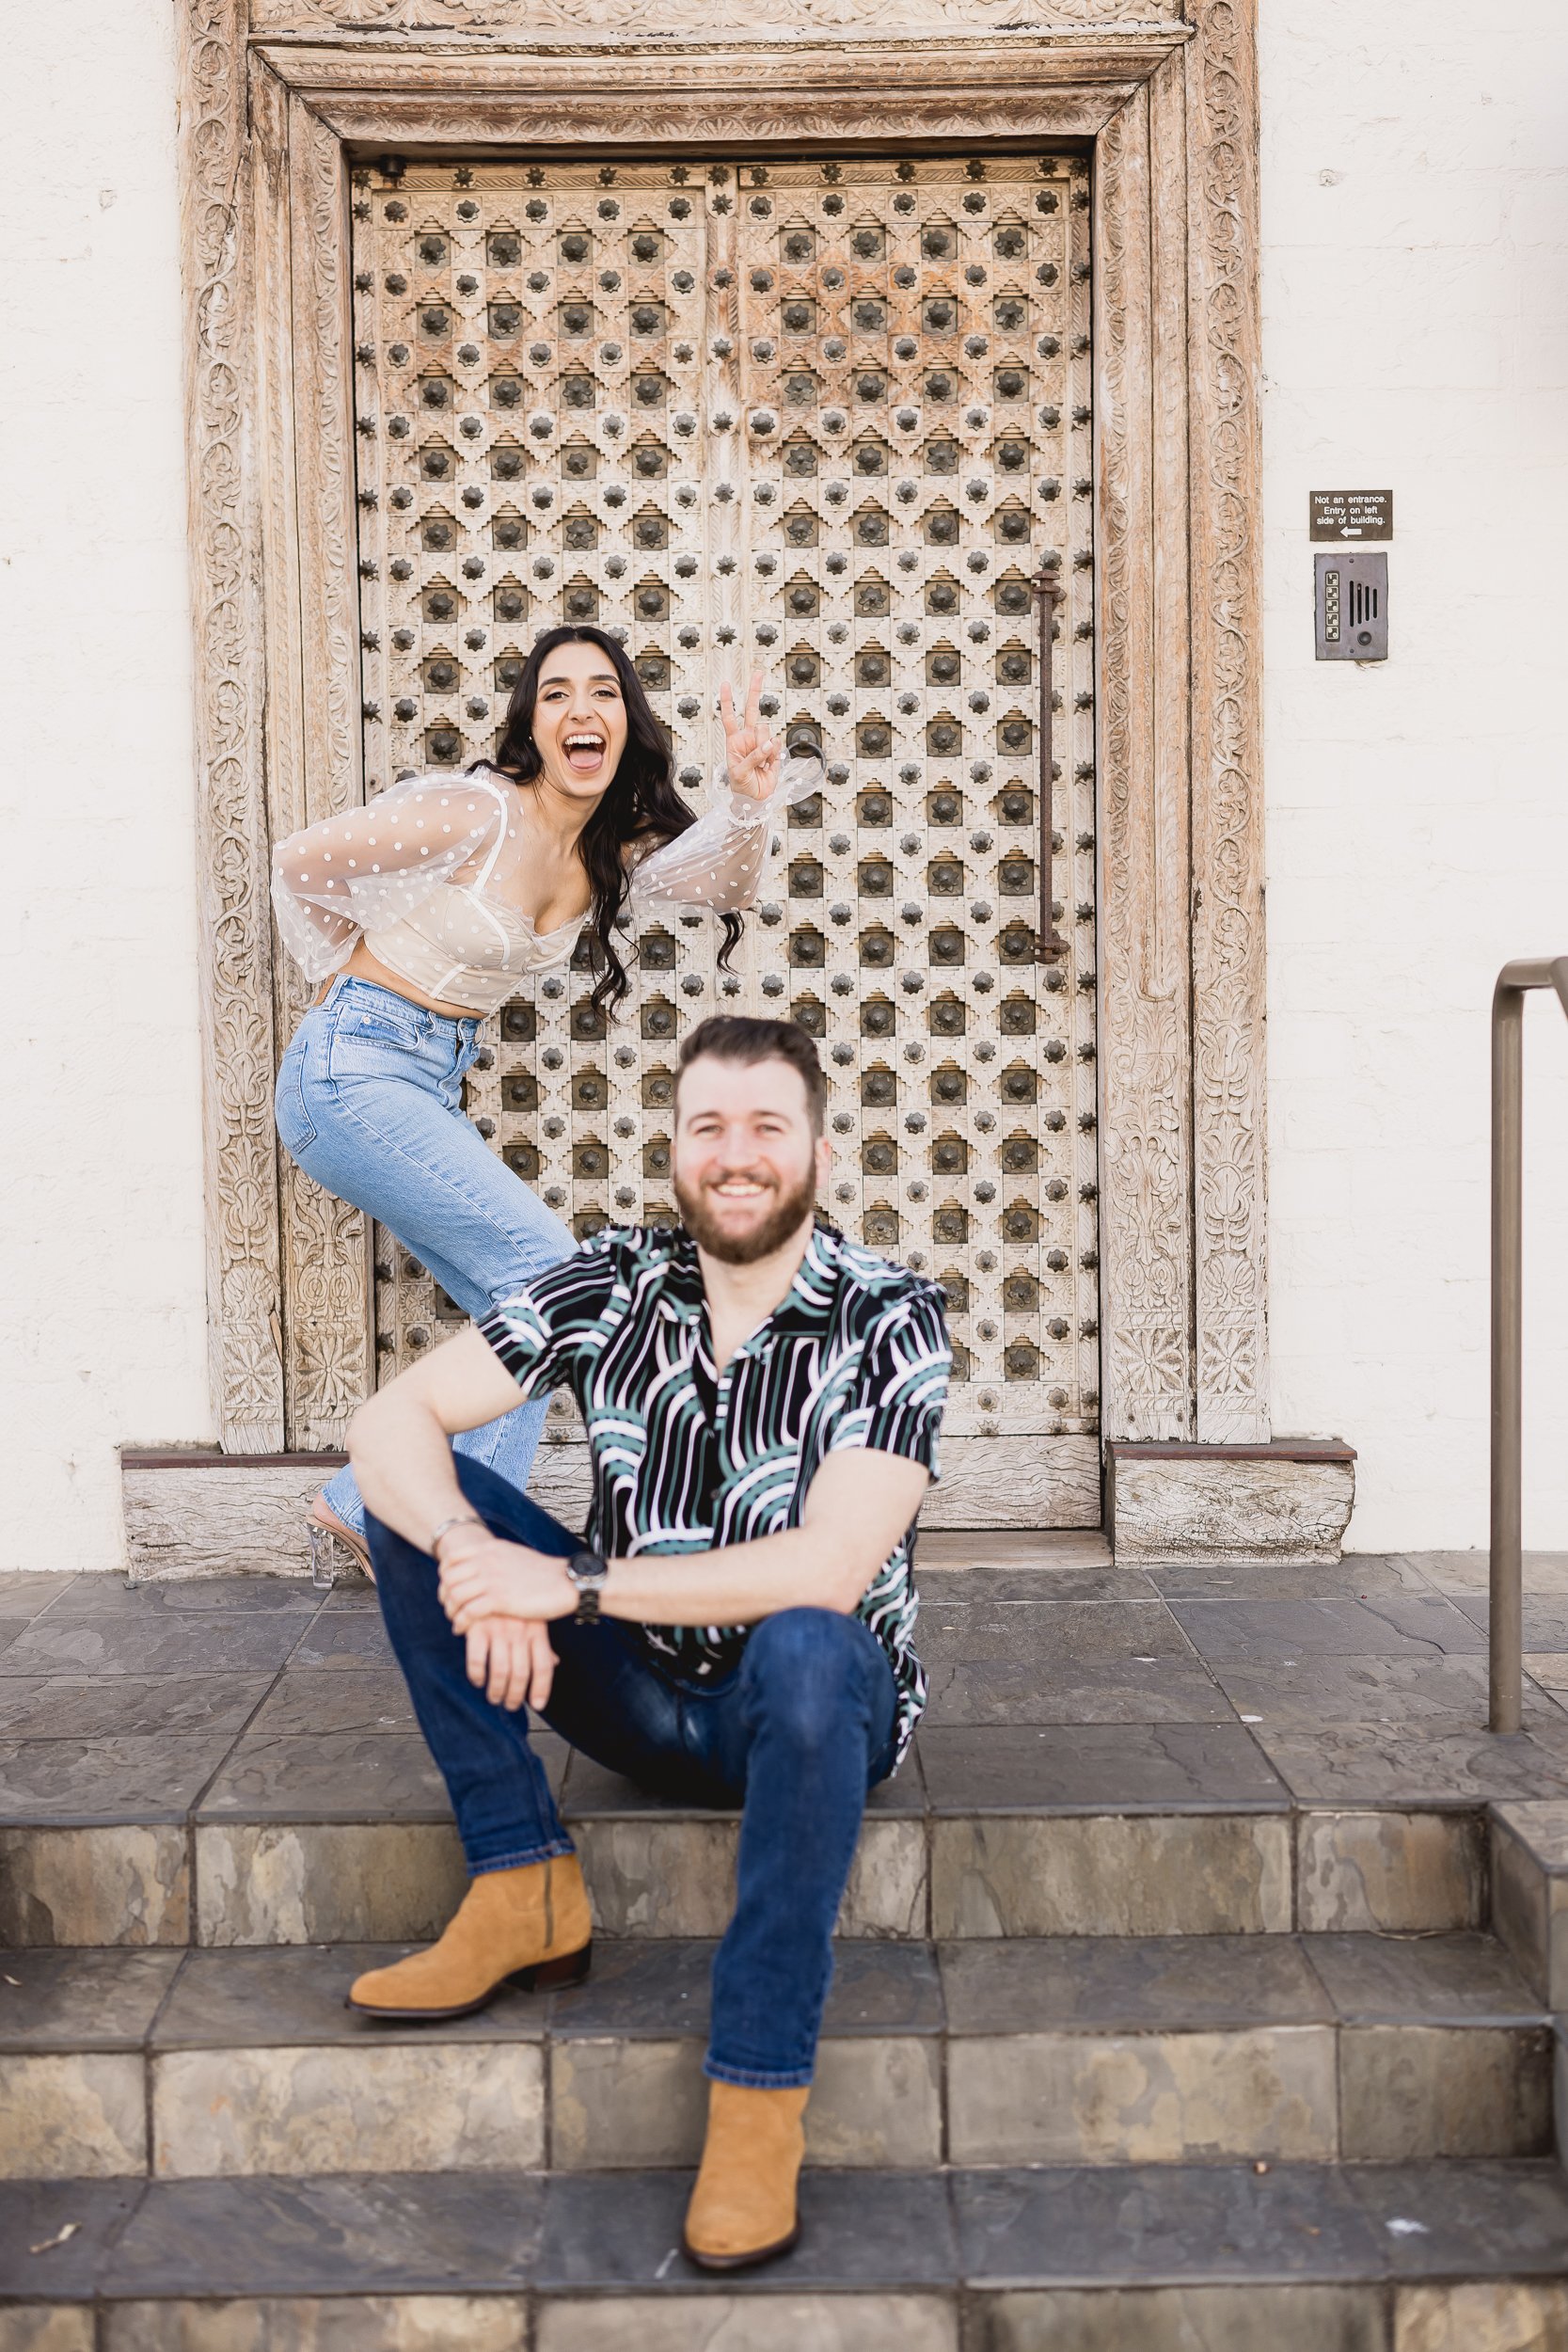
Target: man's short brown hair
733 1037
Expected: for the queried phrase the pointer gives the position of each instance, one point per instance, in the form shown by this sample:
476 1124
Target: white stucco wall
1414 290
1415 335
100 1256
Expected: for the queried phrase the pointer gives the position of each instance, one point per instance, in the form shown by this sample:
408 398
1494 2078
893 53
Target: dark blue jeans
796 1736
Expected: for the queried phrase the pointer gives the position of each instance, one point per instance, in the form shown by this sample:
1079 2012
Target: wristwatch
590 1573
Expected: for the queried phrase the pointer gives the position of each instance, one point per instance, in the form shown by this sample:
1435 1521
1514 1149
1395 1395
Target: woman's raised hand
752 756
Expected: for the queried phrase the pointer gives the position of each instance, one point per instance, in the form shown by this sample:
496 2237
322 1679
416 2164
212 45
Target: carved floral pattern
326 1244
413 122
1227 943
834 18
242 1204
1143 1044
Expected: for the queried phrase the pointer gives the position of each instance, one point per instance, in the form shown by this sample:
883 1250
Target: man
763 1401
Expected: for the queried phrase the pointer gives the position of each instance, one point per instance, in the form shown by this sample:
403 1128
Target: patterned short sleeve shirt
686 1458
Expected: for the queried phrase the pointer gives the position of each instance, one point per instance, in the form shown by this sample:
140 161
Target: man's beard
789 1212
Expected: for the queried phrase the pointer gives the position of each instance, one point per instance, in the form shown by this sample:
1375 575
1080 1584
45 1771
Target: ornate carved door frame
275 98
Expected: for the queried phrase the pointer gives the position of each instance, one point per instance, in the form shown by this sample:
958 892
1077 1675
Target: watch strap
589 1572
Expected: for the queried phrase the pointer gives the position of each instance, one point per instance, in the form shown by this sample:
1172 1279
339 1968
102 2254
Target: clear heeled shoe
326 1542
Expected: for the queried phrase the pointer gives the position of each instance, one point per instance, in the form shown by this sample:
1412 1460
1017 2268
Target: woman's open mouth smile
584 751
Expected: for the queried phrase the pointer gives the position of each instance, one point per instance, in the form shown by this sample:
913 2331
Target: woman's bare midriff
364 966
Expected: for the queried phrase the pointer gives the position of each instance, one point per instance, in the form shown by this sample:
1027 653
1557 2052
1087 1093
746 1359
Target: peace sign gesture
751 756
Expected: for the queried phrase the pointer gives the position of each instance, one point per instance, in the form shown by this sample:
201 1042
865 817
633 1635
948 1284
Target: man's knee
505 1510
804 1665
389 1555
482 1491
493 1496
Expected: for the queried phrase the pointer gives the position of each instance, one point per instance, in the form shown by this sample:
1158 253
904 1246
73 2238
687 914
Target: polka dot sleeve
725 859
364 870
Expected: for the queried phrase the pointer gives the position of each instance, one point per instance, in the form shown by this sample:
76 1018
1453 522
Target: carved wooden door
827 415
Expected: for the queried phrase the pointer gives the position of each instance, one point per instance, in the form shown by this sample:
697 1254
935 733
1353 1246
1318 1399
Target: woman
422 912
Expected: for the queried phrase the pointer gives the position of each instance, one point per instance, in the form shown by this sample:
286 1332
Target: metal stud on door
832 416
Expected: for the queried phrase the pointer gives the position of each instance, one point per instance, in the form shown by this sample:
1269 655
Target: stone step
1447 2256
230 1760
1003 1830
1529 1892
1066 2051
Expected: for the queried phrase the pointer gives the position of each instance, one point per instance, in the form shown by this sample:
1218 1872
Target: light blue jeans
370 1105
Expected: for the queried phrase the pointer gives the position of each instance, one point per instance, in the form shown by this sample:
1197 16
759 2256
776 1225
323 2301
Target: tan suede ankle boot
528 1927
743 2207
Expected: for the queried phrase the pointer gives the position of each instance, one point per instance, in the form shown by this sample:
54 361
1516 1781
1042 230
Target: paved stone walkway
1073 1682
1201 1980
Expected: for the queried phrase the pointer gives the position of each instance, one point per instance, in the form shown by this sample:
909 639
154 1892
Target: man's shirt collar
804 1309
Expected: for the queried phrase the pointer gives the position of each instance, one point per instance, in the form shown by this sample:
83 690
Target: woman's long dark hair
640 805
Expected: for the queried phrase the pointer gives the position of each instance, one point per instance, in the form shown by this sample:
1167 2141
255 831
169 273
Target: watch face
588 1573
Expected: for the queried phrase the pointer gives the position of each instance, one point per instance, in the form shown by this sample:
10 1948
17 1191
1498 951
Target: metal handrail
1506 1636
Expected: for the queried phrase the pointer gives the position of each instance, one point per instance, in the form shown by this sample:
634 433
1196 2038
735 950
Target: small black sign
1352 514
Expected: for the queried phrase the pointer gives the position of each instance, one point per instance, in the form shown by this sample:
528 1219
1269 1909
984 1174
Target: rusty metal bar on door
1505 1638
1048 593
